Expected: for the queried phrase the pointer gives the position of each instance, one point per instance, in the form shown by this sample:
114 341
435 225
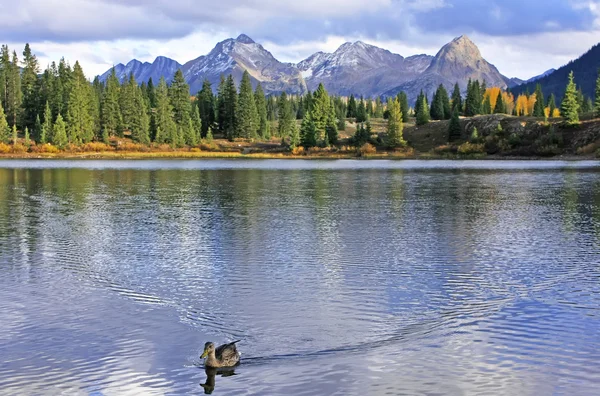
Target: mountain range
354 68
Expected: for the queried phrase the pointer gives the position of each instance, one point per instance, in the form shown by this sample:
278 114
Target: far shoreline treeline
61 108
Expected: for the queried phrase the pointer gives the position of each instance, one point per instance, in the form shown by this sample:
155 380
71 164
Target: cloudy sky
522 38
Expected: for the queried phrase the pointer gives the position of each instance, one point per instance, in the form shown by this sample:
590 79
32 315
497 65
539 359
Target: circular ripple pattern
341 277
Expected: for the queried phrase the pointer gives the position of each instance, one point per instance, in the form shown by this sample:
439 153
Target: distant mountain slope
544 74
161 67
585 69
457 61
362 69
233 56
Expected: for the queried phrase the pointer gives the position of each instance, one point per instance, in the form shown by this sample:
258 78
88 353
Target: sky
523 38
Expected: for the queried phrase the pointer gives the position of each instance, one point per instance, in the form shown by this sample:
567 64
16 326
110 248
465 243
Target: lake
339 277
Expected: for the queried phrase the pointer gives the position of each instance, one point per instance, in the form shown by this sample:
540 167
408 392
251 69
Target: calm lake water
339 277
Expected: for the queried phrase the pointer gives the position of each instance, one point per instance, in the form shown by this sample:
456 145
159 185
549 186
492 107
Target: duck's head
209 348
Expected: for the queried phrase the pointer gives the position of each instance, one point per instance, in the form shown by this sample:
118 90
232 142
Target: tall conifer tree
59 135
570 107
46 135
285 116
456 99
4 128
247 115
539 106
30 87
500 107
80 121
261 108
394 125
110 111
166 128
206 105
404 108
597 103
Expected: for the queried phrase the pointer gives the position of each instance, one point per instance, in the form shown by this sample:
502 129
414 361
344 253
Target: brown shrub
96 147
4 148
470 148
445 149
590 148
128 146
298 150
19 148
48 148
367 149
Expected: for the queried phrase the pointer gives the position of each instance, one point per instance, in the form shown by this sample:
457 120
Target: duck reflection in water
211 373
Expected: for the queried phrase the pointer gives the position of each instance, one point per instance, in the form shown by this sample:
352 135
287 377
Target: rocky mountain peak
242 38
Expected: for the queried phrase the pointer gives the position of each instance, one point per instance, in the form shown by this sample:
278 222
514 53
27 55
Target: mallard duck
224 356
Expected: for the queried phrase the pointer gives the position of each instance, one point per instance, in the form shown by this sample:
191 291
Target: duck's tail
234 342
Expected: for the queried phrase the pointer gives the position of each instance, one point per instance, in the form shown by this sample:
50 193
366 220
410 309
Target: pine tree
128 109
230 109
59 135
486 108
37 131
294 137
351 107
394 125
423 112
14 134
361 111
4 75
472 102
597 103
437 106
419 102
30 87
47 134
179 95
378 108
209 136
261 108
163 115
151 93
454 128
65 84
500 107
4 128
140 123
539 106
80 122
221 107
570 107
404 108
285 116
321 111
308 132
247 115
206 106
14 95
331 132
551 105
456 99
110 111
197 124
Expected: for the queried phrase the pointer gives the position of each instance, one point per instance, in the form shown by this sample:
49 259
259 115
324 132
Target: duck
225 355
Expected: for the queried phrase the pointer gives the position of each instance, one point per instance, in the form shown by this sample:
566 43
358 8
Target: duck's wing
227 351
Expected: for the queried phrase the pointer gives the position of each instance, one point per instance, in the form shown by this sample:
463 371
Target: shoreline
179 155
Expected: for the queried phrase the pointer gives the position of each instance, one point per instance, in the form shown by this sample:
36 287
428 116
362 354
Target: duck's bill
204 355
